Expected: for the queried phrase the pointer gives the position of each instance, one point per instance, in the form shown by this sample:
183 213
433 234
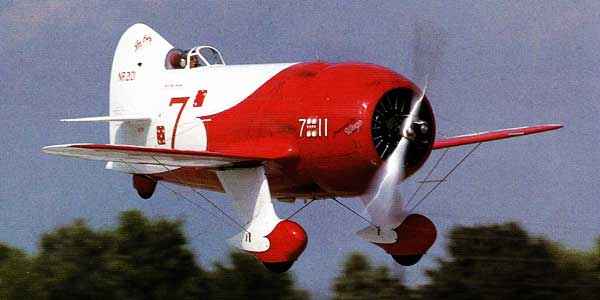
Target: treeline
139 259
145 258
494 262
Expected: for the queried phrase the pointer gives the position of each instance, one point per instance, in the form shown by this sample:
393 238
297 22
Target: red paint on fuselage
340 163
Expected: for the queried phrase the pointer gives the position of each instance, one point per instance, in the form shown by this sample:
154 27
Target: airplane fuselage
220 109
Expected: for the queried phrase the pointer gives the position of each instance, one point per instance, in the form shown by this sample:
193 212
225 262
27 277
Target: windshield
212 56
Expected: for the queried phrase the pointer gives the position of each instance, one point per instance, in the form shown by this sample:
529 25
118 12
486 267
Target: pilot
194 63
182 62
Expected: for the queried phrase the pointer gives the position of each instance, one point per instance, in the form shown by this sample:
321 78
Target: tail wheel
278 267
407 260
144 195
144 185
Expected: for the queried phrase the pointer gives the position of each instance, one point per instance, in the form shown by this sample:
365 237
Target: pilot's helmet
182 62
174 60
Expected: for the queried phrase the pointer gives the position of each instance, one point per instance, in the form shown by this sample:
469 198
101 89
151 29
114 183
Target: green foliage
581 270
16 276
246 278
74 263
139 259
504 262
150 259
360 280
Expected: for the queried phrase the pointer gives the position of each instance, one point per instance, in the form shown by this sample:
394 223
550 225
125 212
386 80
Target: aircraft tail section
137 70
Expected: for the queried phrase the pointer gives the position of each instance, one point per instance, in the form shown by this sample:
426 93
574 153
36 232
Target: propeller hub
411 128
392 121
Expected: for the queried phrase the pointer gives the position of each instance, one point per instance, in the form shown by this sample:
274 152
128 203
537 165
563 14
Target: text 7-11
313 127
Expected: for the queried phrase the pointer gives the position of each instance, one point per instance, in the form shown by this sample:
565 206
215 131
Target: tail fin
137 69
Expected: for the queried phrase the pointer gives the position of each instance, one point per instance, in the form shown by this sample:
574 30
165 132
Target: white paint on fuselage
140 84
225 86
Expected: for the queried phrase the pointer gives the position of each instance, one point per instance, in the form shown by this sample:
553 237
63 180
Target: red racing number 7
182 101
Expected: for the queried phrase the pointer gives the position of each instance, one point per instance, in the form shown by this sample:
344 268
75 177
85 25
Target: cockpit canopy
200 56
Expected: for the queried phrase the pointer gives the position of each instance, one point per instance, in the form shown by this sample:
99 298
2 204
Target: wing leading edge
492 135
158 156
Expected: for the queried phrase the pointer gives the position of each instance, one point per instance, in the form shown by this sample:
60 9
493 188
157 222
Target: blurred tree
581 271
153 259
140 259
149 259
504 262
359 280
17 281
247 278
74 263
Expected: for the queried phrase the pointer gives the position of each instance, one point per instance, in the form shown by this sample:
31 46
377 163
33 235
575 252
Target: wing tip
548 127
53 148
555 126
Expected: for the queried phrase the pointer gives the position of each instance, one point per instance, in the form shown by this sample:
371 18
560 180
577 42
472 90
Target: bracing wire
202 196
445 177
427 177
135 171
301 208
354 212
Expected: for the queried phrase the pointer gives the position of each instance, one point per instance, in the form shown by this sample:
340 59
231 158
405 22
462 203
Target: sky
506 64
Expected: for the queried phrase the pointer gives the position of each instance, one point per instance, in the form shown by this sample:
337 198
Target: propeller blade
382 199
430 43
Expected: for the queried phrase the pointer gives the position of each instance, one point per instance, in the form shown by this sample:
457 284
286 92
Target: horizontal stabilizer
122 118
492 135
156 156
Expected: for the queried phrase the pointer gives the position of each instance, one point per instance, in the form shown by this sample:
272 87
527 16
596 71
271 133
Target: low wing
492 135
156 156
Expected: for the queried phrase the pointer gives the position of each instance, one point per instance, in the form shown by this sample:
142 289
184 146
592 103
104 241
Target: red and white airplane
283 131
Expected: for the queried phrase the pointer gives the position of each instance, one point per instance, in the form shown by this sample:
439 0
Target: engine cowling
365 107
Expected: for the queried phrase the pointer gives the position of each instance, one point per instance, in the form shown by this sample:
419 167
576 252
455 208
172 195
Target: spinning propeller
399 127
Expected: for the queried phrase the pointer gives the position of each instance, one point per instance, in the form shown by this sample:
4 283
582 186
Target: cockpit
201 56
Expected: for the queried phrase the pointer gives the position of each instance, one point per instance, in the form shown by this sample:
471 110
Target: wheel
144 185
145 195
407 260
278 267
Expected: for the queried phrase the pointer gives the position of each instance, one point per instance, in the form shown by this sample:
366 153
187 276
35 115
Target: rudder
137 69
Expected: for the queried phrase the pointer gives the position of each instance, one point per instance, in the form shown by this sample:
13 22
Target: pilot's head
182 62
194 61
